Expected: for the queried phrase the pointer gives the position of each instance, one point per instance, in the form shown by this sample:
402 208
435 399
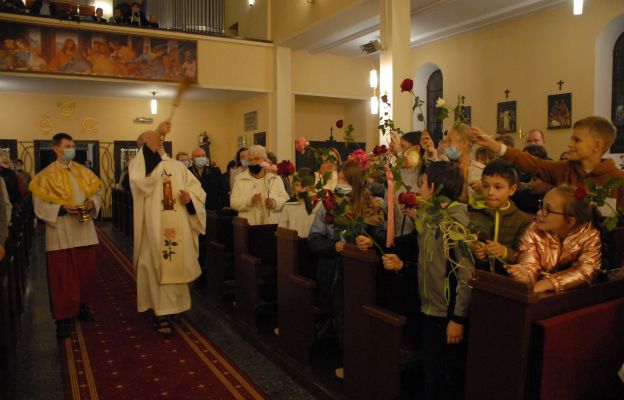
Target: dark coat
35 8
216 192
138 19
512 223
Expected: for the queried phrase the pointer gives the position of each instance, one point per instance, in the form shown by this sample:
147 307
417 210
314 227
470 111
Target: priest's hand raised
185 197
164 128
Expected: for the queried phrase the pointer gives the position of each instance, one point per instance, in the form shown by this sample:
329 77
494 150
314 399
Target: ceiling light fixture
154 104
578 7
251 2
374 100
373 78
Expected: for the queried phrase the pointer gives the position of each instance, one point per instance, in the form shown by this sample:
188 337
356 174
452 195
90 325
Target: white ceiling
29 83
431 20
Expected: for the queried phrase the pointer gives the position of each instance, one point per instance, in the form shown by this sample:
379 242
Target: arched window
617 96
434 91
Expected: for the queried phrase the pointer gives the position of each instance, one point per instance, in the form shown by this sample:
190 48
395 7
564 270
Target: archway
420 89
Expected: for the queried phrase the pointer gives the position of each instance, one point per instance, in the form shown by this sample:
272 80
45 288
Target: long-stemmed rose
408 86
443 110
598 195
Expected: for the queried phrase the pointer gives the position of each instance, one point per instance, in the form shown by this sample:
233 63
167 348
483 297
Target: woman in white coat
258 195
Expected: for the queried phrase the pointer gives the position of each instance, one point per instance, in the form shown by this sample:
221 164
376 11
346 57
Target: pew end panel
255 259
297 316
384 372
501 325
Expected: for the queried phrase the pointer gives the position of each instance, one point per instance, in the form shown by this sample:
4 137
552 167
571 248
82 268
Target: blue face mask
201 162
69 154
452 153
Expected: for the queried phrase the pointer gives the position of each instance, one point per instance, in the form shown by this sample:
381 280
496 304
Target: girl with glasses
561 249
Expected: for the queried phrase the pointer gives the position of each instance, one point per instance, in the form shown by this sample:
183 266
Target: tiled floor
39 369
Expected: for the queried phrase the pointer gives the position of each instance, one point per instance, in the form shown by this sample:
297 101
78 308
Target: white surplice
66 232
147 193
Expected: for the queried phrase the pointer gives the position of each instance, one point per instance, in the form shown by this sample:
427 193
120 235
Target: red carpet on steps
120 356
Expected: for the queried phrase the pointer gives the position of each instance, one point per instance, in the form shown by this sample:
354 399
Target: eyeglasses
545 210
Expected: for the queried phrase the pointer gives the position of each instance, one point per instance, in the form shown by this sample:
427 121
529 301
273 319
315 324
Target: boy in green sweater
497 219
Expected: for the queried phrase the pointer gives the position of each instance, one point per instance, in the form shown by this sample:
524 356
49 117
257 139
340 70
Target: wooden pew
7 327
372 335
255 254
219 251
13 282
115 207
502 320
296 288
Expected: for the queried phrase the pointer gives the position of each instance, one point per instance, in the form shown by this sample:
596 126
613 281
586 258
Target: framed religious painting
466 115
560 111
260 138
506 117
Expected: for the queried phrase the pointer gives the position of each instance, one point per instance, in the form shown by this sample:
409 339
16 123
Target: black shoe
63 329
85 314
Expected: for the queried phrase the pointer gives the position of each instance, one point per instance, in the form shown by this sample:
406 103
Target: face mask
200 162
377 189
452 153
344 188
19 169
69 154
244 163
186 163
255 169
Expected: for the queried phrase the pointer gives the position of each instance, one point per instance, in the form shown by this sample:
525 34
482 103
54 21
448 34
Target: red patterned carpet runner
120 356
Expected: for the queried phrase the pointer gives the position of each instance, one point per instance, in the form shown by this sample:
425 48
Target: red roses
580 193
407 85
379 150
285 168
408 199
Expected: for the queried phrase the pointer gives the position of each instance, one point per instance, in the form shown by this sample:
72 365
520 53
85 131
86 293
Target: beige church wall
112 118
235 65
259 103
331 75
314 116
252 21
289 17
364 123
526 55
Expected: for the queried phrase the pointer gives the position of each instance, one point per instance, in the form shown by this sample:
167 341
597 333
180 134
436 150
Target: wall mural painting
49 50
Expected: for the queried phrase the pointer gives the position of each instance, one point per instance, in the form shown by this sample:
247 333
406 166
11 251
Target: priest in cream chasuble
169 215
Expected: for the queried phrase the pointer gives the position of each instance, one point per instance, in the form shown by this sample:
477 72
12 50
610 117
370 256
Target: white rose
440 102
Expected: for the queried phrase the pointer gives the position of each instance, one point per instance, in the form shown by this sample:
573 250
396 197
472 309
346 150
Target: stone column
283 106
394 61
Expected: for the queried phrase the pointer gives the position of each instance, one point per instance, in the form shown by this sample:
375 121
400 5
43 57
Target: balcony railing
193 16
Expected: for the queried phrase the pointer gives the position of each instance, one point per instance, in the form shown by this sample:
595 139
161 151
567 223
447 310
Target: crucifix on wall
507 91
560 83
